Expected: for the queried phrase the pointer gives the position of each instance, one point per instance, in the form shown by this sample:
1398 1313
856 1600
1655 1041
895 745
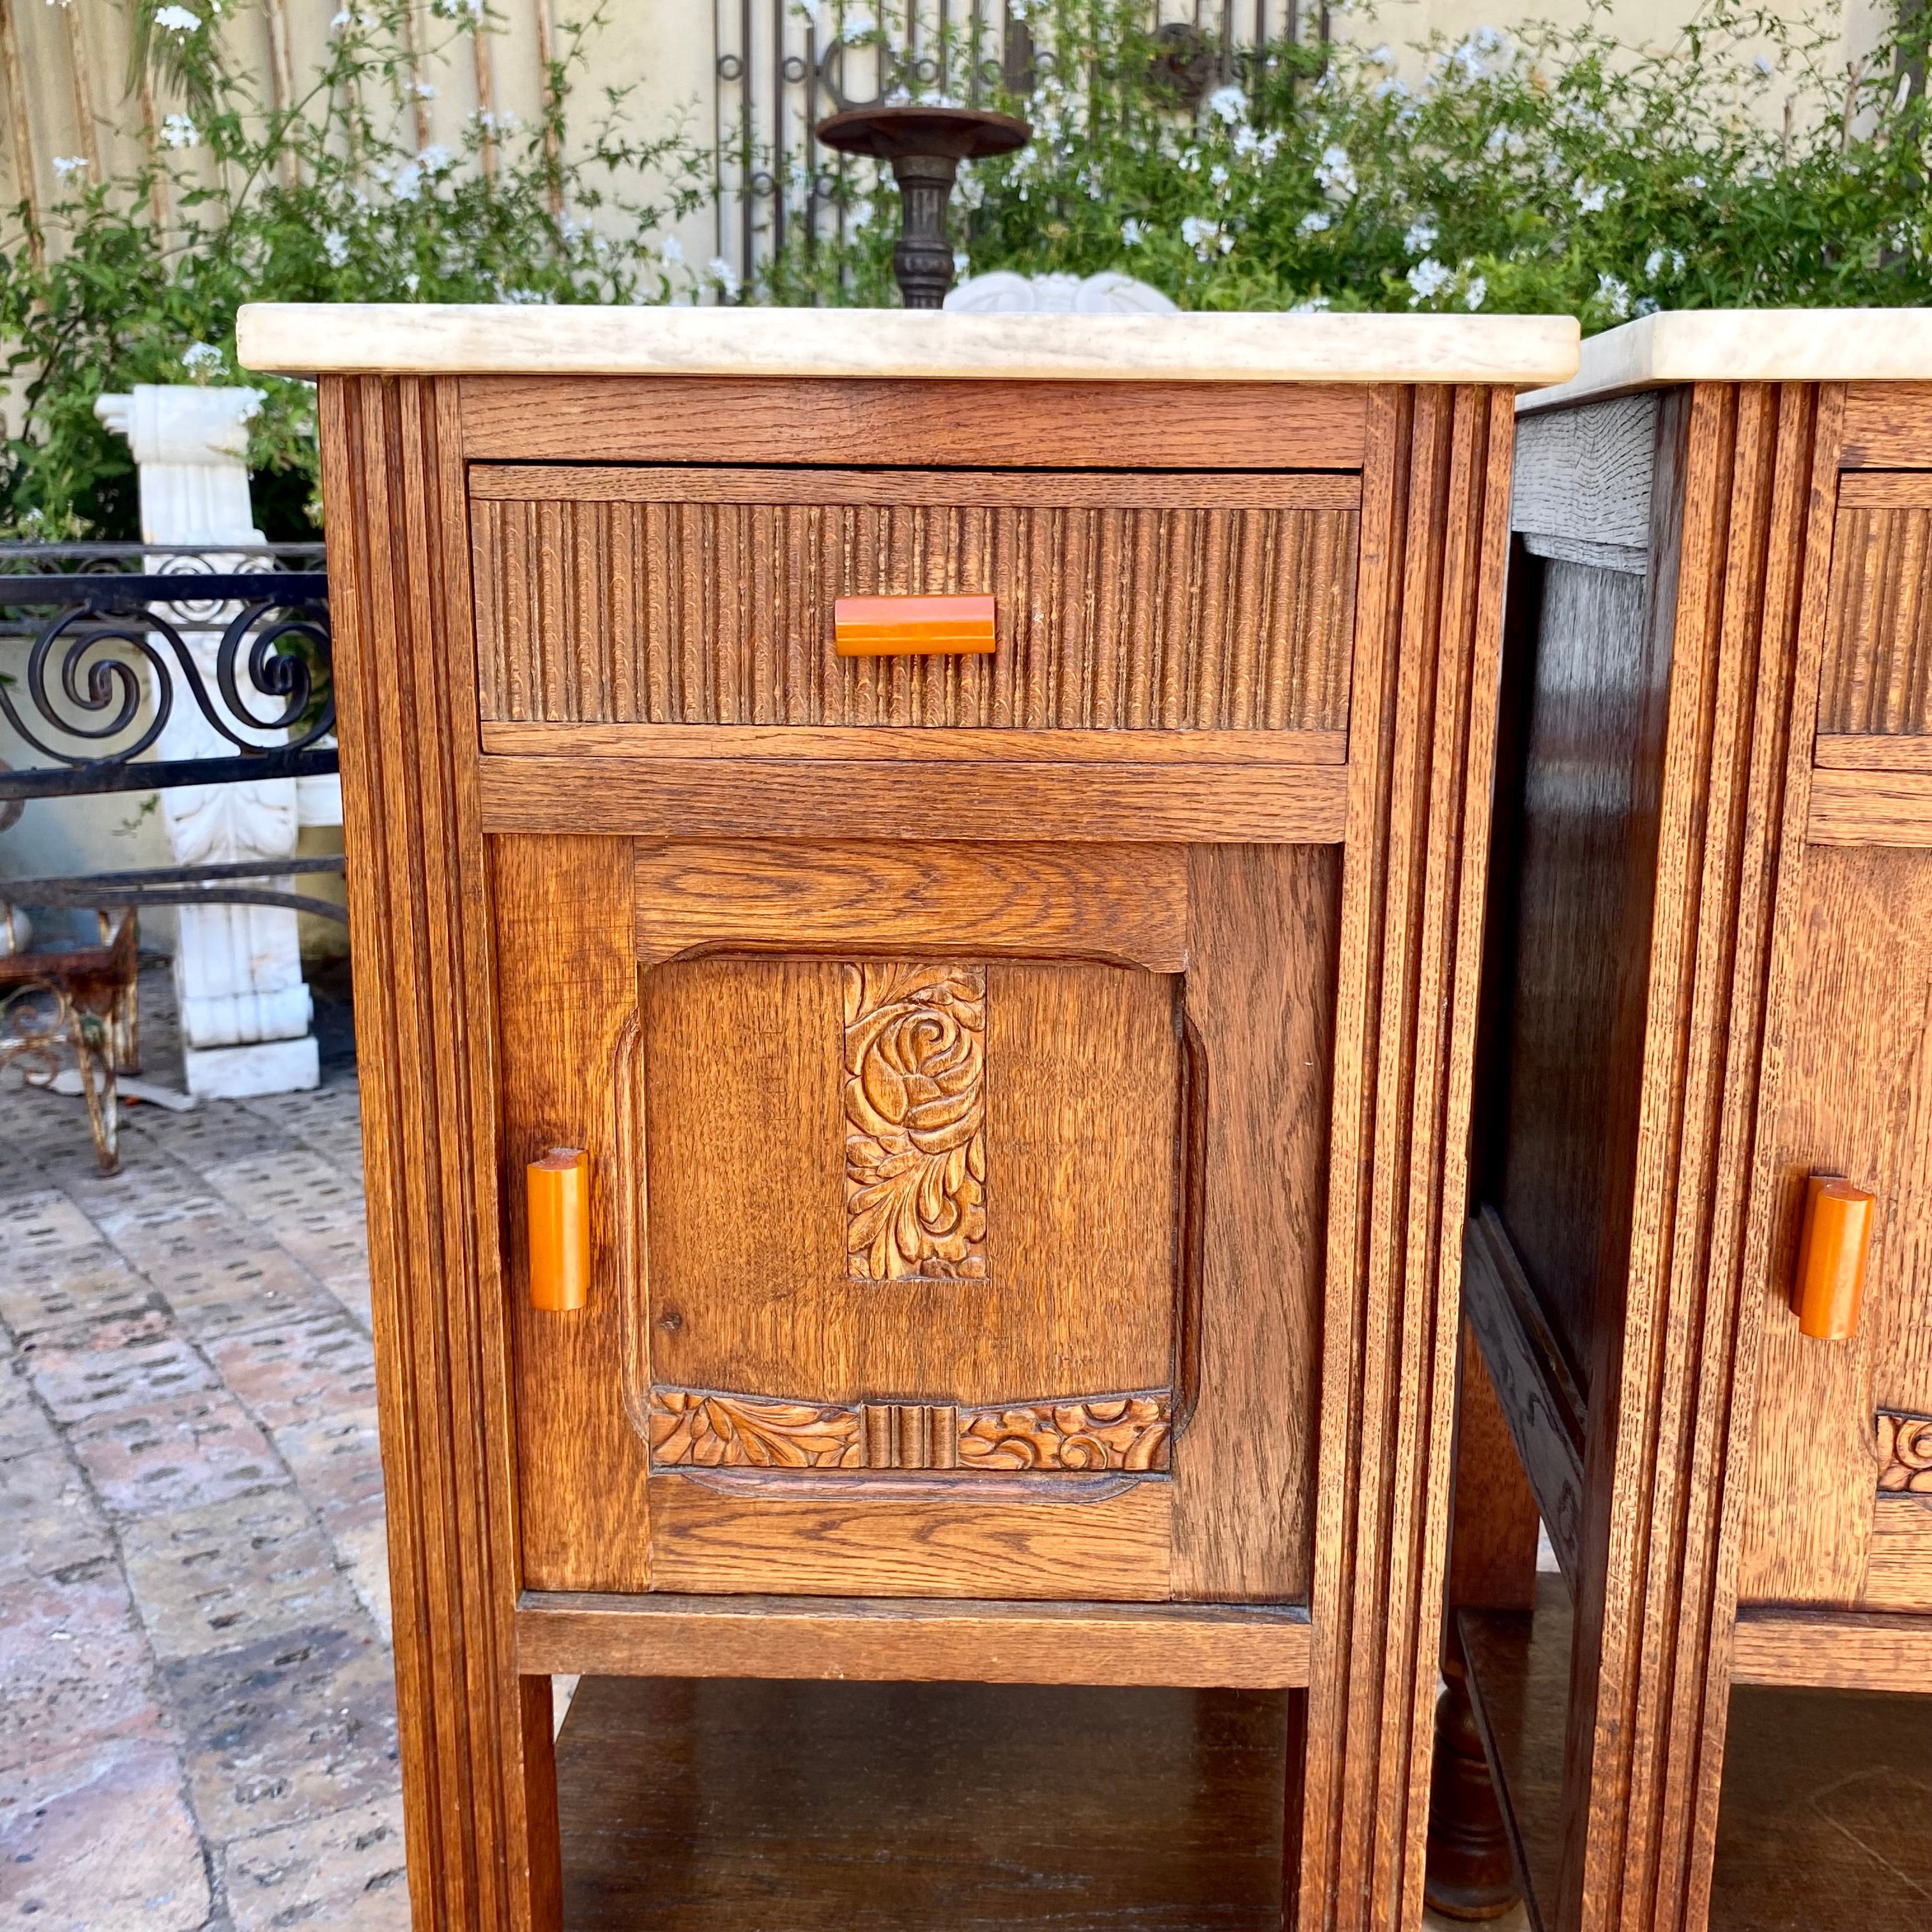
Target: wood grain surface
711 1806
673 596
1125 904
1260 991
773 798
925 1639
1871 808
932 744
709 1534
836 422
566 986
1887 426
479 1801
1831 1650
1858 1057
1584 475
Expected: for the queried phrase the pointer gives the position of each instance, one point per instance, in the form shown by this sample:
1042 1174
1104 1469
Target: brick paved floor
197 1724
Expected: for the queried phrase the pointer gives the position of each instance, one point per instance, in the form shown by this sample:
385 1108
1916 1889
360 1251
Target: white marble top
1731 345
308 339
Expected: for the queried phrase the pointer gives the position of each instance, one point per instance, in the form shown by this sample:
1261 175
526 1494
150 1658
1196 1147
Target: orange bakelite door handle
879 627
1832 1257
558 1187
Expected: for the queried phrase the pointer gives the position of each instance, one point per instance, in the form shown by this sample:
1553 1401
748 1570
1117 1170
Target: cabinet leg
1471 1874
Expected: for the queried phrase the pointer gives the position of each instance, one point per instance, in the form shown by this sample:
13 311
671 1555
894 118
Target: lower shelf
722 1805
1824 1824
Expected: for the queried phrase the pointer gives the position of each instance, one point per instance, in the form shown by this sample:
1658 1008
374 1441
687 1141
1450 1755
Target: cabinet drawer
704 597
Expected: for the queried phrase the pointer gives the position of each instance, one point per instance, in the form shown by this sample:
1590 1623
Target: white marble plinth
262 1067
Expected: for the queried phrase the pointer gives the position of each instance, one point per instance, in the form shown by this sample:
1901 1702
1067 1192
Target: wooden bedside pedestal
915 883
1708 988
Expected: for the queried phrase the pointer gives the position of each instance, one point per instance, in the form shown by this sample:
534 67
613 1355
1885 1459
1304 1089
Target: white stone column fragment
245 1009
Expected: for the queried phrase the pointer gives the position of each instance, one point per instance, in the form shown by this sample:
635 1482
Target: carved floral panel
699 1429
915 1071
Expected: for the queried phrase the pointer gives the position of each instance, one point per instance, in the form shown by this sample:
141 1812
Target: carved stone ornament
1904 1444
699 1429
915 1063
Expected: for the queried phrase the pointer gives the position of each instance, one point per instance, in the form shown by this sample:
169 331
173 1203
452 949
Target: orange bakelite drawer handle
558 1193
879 627
1832 1257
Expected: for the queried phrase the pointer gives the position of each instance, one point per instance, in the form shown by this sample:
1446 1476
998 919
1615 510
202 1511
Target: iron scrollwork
84 704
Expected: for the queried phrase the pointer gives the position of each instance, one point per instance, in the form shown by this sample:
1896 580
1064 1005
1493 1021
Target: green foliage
328 201
1540 170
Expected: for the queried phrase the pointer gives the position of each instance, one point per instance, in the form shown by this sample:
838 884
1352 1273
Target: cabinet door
962 1220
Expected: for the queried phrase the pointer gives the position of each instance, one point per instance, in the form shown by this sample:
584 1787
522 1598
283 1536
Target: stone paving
197 1721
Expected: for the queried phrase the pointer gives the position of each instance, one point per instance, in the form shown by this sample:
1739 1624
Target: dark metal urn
925 146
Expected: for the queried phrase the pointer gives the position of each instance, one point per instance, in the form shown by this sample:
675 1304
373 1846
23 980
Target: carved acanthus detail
697 1428
915 1110
1904 1444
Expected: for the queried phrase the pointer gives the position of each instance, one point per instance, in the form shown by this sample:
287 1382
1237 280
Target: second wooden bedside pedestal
1707 983
1022 1089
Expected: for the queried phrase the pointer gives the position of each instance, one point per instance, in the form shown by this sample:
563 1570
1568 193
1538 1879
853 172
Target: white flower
179 131
435 158
1229 103
1421 237
1381 56
68 166
1131 233
502 122
177 19
1337 172
1477 293
1428 278
1694 181
412 281
721 272
1389 86
672 249
201 360
962 264
1614 294
522 295
421 89
1218 175
1314 221
335 246
1314 305
1589 200
1200 236
1764 66
1658 259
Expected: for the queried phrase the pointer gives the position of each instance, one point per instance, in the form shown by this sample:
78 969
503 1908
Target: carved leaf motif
915 1112
1122 1432
714 1432
1904 1444
695 1428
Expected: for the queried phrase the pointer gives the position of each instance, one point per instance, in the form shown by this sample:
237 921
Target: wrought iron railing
107 662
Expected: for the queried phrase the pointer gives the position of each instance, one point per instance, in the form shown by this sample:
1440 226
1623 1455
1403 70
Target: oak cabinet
1706 992
1020 1088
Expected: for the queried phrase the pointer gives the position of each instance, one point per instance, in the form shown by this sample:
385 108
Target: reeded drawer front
699 596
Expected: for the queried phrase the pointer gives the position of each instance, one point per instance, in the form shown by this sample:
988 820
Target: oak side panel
933 1640
1885 807
1654 1617
1492 1538
1126 905
835 421
713 1536
1434 546
479 1789
1260 990
566 985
